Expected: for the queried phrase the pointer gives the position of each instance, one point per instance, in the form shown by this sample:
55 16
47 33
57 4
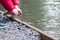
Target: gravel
16 31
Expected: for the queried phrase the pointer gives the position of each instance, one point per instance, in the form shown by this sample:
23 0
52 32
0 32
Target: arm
7 4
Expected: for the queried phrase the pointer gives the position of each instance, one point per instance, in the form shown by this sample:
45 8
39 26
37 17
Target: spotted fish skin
13 30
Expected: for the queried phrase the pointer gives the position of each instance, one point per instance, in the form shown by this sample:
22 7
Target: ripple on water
52 17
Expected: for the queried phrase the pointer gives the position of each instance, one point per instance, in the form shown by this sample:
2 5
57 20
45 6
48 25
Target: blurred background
43 14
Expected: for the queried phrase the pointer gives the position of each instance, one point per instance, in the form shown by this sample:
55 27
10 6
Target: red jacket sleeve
7 4
15 2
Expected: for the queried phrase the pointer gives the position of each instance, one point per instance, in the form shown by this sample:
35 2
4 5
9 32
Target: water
43 14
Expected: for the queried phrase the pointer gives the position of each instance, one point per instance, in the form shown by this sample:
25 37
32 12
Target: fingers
19 10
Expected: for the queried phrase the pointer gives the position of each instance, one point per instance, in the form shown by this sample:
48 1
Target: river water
43 14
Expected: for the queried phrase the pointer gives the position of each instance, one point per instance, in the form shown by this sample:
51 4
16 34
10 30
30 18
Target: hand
19 10
15 12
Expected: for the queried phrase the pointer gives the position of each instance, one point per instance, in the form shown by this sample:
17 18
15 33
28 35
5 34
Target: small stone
18 28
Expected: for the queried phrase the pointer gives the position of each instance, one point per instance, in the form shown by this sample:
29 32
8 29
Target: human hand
19 10
15 12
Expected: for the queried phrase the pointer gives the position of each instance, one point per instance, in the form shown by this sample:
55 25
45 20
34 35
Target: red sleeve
7 4
15 2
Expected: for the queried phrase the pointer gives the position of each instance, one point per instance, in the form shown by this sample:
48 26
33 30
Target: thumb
15 12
